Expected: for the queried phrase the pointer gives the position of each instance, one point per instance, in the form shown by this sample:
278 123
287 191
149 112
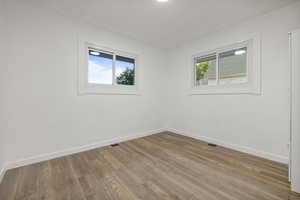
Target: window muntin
206 70
110 68
222 67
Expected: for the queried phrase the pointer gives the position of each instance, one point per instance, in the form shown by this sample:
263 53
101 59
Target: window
109 68
232 69
107 71
221 68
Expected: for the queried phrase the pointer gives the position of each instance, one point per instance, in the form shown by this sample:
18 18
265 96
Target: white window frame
253 86
86 88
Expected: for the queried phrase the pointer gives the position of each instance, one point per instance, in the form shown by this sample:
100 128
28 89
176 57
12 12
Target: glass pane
125 70
233 67
100 67
206 70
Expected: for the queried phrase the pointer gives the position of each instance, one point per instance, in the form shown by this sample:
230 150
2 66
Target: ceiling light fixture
161 1
239 52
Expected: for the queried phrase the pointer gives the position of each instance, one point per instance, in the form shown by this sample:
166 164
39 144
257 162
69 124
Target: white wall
257 124
42 110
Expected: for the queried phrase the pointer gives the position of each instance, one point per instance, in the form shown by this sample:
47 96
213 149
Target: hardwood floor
162 166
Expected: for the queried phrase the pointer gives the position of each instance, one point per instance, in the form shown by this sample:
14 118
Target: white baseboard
98 144
262 154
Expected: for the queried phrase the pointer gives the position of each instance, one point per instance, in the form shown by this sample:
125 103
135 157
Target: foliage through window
206 70
125 70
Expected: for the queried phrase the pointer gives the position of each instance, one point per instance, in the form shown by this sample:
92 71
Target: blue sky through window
100 70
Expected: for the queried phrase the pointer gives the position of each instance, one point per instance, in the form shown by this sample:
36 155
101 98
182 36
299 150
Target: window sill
223 90
108 90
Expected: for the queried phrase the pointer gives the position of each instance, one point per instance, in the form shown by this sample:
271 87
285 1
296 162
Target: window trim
253 86
86 88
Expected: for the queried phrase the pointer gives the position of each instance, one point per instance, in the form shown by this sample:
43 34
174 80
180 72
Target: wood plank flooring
163 166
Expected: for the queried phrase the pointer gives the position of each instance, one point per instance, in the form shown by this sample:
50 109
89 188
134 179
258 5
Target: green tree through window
126 77
201 69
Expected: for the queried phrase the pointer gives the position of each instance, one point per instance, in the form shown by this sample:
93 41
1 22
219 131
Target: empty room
150 100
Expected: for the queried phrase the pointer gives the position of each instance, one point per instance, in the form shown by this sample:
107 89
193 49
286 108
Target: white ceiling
164 24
